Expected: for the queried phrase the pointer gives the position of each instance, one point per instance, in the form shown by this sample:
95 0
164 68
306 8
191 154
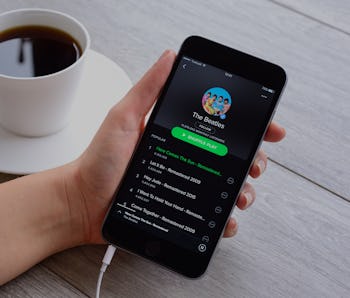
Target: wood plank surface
334 13
38 282
315 106
294 242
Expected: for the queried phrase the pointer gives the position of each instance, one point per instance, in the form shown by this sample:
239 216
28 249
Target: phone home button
152 248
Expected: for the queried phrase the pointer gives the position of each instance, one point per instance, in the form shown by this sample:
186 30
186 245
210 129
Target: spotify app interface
192 159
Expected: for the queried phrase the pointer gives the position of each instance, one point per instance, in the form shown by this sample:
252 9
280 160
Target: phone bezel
188 263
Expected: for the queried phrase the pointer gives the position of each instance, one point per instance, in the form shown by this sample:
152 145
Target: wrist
85 206
56 218
76 214
42 213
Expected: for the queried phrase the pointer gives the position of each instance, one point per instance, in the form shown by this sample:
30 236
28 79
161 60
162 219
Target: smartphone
188 168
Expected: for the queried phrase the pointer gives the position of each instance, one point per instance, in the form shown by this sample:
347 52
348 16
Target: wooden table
295 240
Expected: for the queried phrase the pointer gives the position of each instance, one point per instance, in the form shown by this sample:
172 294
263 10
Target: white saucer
103 84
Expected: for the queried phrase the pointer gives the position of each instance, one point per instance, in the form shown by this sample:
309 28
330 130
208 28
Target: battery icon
268 89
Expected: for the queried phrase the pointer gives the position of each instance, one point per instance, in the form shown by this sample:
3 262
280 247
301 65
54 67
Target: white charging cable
105 262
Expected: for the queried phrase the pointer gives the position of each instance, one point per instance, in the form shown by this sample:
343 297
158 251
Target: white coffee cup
39 106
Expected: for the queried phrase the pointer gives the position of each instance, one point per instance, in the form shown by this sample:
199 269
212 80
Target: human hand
99 170
246 198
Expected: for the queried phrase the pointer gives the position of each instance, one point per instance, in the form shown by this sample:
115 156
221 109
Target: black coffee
32 51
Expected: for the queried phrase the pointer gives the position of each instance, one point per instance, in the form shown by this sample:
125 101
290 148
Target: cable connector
105 263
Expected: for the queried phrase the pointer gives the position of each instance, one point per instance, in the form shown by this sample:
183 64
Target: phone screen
194 155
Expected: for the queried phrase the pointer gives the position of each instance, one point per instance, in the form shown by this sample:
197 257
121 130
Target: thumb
142 96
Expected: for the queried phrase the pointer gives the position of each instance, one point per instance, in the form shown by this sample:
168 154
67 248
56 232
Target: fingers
259 164
275 132
231 228
245 199
247 196
142 96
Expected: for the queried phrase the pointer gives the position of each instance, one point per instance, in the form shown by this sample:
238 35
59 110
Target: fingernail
284 131
166 52
261 166
249 198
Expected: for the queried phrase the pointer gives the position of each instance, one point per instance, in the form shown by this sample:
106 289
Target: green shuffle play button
199 141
